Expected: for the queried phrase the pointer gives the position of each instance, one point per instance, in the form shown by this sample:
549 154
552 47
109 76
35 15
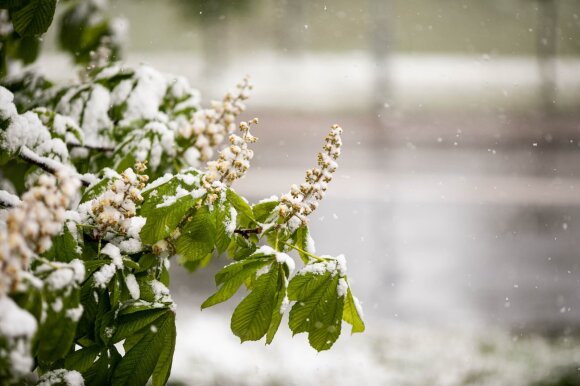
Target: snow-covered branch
50 165
9 200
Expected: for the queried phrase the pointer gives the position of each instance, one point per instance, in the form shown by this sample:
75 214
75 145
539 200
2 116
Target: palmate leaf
252 317
151 355
318 308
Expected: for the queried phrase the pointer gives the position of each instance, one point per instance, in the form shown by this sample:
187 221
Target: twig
318 258
247 232
90 147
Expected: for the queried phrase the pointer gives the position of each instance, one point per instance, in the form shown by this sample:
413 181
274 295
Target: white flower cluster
31 226
209 127
302 200
113 214
232 163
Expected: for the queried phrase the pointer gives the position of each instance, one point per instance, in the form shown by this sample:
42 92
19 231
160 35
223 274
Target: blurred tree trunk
215 40
380 43
290 19
546 48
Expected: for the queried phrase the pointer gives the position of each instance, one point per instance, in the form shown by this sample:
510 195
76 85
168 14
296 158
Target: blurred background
457 200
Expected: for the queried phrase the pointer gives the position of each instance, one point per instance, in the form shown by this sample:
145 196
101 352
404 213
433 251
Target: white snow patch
342 288
231 222
133 286
133 226
269 199
75 314
283 258
104 275
57 305
114 253
130 246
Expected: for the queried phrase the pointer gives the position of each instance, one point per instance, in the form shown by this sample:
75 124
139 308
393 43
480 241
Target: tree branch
49 165
90 147
247 232
8 200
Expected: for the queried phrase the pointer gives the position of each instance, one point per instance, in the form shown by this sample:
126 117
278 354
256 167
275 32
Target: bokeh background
457 200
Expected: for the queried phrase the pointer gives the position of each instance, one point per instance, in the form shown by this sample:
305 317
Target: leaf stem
306 253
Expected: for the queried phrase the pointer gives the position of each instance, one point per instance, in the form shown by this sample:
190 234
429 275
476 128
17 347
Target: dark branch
247 232
90 147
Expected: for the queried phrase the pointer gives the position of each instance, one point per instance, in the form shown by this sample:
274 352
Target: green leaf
278 312
165 359
64 247
152 355
197 237
302 241
193 266
6 4
351 314
34 18
162 221
231 270
95 190
129 324
223 217
245 214
232 277
100 371
81 360
318 308
263 210
240 248
56 334
252 317
25 49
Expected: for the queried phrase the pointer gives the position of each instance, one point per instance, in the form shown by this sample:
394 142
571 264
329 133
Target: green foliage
252 318
83 28
318 308
101 281
32 17
197 237
150 356
351 314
